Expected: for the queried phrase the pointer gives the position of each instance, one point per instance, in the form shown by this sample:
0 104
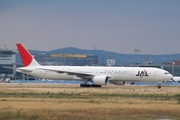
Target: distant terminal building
176 62
67 59
111 62
172 67
7 64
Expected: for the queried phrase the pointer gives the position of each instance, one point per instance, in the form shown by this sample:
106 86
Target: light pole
135 50
173 67
136 54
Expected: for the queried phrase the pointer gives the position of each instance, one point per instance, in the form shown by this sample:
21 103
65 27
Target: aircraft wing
78 74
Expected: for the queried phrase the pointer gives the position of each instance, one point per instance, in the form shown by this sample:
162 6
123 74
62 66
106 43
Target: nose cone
169 77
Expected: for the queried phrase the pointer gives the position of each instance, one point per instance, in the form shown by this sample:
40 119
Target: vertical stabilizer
26 58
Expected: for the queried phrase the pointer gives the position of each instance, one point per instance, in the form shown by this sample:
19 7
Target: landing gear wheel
85 85
159 87
93 85
88 85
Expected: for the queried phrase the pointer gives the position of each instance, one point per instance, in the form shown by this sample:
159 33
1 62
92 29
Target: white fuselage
115 74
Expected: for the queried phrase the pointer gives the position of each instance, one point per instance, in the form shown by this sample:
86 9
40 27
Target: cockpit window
166 73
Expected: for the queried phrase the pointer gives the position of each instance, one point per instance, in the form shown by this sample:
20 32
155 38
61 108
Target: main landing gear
89 85
159 85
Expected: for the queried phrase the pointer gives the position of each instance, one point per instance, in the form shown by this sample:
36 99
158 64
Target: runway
73 82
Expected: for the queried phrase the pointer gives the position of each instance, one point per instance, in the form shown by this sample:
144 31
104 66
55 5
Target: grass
36 102
9 115
90 95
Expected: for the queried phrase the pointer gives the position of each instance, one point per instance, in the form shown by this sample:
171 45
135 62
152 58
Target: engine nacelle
100 80
118 82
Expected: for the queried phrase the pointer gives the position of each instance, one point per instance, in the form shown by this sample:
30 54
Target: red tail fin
24 54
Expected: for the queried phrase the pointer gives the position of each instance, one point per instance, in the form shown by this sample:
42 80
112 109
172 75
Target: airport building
67 59
7 64
172 67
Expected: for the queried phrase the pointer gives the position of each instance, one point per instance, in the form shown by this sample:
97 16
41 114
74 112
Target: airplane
99 75
176 79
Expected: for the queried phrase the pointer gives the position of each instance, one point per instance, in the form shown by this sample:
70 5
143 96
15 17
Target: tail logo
26 57
142 73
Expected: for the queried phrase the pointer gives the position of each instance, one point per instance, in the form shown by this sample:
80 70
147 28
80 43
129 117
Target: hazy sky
152 26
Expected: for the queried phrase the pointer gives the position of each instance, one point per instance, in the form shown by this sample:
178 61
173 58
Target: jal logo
142 73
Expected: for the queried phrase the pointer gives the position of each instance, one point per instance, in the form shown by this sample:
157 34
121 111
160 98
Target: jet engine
100 80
